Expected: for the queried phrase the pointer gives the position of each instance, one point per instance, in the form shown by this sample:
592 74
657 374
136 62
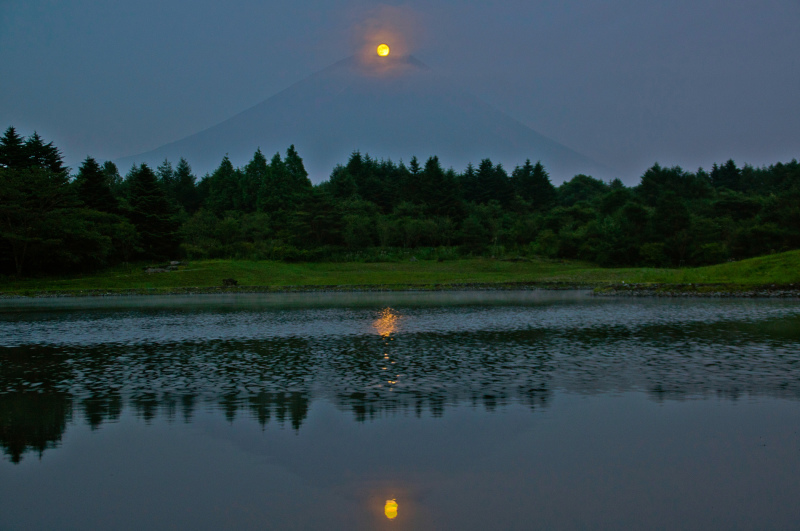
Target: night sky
625 82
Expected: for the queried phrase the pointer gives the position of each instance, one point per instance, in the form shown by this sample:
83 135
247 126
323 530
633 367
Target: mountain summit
393 107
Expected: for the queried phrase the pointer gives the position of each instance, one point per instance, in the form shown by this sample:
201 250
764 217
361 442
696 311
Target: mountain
387 107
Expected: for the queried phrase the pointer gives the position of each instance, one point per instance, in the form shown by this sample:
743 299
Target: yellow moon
383 50
390 509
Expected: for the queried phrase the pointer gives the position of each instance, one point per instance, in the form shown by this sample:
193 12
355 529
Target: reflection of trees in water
33 412
273 380
430 371
372 405
101 407
37 421
32 421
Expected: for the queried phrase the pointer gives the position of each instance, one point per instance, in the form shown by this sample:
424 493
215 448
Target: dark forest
53 221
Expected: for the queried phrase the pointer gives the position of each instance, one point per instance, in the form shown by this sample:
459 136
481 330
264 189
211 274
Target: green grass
781 268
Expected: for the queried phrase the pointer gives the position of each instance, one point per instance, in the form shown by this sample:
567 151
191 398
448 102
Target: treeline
369 209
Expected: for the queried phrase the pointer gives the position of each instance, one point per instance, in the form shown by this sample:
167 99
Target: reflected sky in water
430 379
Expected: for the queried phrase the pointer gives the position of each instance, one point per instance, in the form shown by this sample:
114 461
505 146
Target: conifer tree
41 155
726 176
166 176
532 184
114 179
469 184
185 189
294 164
438 189
299 182
275 195
501 186
341 184
35 205
485 182
413 166
151 213
413 182
256 174
12 150
287 184
223 188
93 187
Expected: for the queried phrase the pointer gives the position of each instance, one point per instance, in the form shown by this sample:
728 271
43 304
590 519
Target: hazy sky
626 82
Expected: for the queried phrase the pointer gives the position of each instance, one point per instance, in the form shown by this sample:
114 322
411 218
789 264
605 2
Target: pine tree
12 150
413 166
274 194
438 189
726 176
93 187
286 186
341 184
256 174
114 179
300 185
35 206
185 189
485 182
166 176
296 168
532 183
469 184
151 213
503 191
43 155
223 188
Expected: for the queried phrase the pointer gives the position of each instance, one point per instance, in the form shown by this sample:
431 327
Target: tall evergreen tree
114 179
93 187
185 189
300 184
294 164
41 155
492 184
152 214
469 184
166 175
438 189
33 204
12 150
224 192
341 184
726 176
287 185
532 183
413 166
255 176
275 193
364 171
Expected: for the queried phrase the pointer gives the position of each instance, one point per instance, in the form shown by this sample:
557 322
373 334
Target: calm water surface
472 410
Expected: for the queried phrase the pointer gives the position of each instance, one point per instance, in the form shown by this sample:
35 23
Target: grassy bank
781 269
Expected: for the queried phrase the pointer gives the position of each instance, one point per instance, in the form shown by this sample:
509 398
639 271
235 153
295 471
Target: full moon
383 50
390 509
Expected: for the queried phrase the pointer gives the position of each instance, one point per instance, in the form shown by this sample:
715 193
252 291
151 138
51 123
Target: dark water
480 410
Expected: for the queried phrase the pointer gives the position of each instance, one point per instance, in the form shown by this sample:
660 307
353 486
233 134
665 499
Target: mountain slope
395 110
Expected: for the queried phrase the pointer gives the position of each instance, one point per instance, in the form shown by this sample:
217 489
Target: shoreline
717 290
302 288
702 290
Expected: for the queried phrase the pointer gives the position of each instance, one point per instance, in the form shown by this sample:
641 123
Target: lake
413 410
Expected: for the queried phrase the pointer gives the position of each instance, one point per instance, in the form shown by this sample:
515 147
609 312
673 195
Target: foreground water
482 410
